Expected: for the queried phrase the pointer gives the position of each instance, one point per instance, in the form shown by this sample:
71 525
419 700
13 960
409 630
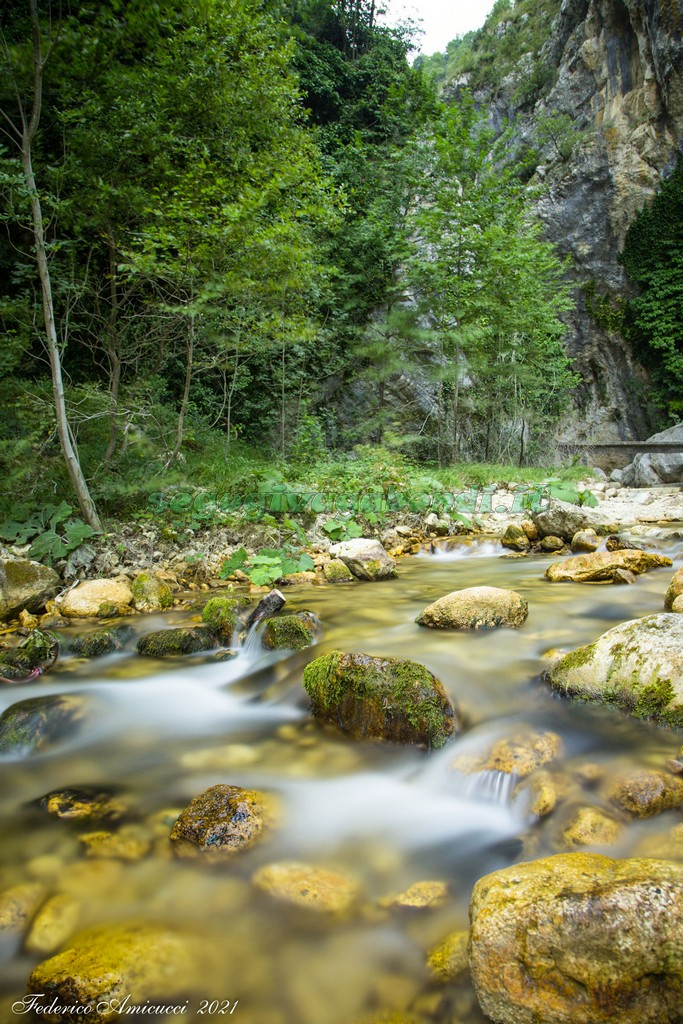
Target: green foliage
269 565
609 313
342 529
653 260
54 532
558 131
564 491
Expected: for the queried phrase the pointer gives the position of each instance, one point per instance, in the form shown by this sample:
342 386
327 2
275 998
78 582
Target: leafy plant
269 565
54 532
567 492
342 529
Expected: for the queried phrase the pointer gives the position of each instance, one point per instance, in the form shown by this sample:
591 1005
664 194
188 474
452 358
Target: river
386 816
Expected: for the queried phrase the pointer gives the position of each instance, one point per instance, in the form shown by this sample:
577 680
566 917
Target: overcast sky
442 20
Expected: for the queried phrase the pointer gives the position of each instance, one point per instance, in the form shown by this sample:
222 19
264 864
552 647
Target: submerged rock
418 896
601 566
579 939
365 558
551 543
645 792
101 642
592 827
475 608
380 698
18 904
33 724
100 599
102 967
637 666
221 822
448 962
519 754
128 845
220 615
151 594
168 643
25 584
307 885
54 924
86 804
289 632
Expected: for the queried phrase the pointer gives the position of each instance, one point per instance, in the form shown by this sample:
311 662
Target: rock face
380 698
96 599
604 566
104 966
221 822
651 468
637 666
365 558
25 584
579 939
475 608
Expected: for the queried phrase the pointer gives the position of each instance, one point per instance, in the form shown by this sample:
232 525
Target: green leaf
75 532
235 561
48 545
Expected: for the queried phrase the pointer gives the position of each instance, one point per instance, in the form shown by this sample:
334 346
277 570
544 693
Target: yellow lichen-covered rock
54 923
87 804
418 896
105 966
646 792
519 754
307 885
579 939
475 608
129 844
600 566
18 904
96 599
335 571
221 822
447 962
541 793
592 827
675 590
391 699
637 666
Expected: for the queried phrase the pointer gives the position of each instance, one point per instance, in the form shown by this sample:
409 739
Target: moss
150 593
164 643
38 650
220 615
382 698
336 572
447 962
653 699
103 641
34 723
289 632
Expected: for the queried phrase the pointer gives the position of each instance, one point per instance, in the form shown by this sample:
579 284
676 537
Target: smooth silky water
160 733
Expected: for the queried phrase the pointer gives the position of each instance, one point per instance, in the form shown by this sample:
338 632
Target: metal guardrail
624 446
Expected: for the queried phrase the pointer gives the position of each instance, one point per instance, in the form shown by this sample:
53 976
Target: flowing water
161 733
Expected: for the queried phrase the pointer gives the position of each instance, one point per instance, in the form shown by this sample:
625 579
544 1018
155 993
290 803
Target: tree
23 128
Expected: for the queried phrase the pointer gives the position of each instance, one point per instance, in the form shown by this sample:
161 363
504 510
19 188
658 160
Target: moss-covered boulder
222 821
675 590
25 584
644 792
307 885
579 939
601 566
151 594
636 666
515 538
220 615
380 698
33 724
475 608
107 968
365 558
447 962
169 643
335 571
101 642
289 632
33 655
84 804
98 599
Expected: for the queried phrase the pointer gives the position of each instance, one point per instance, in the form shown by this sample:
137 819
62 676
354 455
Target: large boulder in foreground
365 558
562 519
579 939
649 469
380 698
103 967
637 666
604 566
221 822
98 599
475 608
25 584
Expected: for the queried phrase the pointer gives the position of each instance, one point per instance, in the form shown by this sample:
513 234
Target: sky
442 20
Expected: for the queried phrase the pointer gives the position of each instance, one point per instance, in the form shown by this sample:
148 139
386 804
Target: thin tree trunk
186 392
113 356
85 502
283 393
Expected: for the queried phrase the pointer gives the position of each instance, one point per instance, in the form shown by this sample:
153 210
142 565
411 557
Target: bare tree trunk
30 127
186 392
114 357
